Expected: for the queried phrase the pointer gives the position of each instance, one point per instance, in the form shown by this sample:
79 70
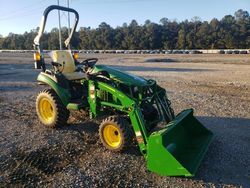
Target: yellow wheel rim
46 110
112 136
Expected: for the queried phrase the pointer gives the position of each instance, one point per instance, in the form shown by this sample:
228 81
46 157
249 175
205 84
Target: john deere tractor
132 107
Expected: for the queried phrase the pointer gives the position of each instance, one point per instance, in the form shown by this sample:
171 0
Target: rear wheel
50 110
115 133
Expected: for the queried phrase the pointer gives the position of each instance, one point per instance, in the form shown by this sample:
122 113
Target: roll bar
44 19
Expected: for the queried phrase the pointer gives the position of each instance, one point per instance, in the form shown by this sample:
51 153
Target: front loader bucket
178 149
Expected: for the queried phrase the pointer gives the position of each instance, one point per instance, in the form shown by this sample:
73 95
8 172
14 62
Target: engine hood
122 77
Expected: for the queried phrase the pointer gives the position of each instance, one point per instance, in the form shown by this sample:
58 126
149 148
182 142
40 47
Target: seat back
65 59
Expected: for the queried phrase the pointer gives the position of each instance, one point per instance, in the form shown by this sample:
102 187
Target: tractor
132 108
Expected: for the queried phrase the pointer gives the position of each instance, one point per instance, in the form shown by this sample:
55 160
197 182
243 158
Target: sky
18 16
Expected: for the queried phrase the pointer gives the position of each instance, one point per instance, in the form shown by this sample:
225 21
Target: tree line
232 31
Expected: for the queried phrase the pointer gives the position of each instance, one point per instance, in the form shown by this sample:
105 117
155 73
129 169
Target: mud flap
178 149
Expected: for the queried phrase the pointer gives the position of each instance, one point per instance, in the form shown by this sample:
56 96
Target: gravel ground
216 86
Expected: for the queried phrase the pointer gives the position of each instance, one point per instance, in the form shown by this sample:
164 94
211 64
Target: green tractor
134 108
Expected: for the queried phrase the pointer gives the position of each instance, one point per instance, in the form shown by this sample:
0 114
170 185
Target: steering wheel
89 62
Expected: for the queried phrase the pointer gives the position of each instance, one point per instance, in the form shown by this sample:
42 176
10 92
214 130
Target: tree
228 31
131 35
181 39
214 29
241 15
84 36
104 36
53 39
1 41
203 36
243 28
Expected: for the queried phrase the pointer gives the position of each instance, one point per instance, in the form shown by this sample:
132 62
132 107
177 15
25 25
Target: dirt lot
216 86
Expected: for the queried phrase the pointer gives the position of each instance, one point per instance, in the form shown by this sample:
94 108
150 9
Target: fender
63 94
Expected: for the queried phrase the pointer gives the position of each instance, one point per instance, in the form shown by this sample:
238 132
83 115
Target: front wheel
50 110
115 133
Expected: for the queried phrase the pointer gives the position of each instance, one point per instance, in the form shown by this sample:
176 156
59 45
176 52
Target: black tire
50 109
123 129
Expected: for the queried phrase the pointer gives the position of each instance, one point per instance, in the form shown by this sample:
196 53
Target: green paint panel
122 77
64 94
178 149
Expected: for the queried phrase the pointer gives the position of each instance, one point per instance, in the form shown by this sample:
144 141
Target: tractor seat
67 64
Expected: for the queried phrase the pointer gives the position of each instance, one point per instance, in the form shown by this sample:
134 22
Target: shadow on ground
227 160
158 69
92 128
161 60
18 72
